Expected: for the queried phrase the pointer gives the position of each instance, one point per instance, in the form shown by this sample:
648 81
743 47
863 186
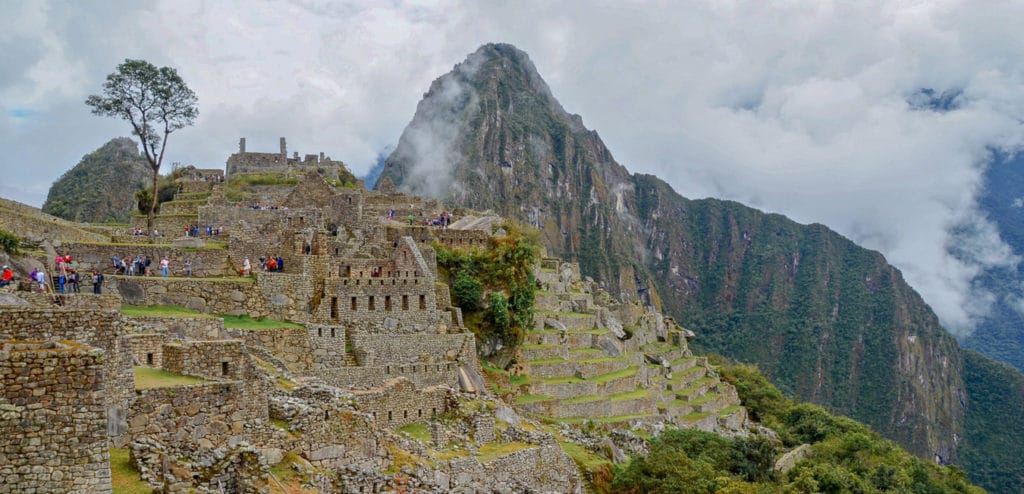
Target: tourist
7 277
306 248
61 280
188 269
272 264
280 264
97 282
40 278
145 266
246 267
165 267
73 282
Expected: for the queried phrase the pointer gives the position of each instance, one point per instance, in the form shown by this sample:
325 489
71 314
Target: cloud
875 118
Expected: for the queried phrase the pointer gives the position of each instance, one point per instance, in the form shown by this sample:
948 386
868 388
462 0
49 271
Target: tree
155 101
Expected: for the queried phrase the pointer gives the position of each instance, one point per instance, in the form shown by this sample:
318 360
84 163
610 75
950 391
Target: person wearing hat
8 276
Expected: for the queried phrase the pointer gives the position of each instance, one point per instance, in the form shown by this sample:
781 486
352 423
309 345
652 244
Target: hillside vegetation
83 192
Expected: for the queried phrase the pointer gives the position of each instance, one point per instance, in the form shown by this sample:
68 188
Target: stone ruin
375 344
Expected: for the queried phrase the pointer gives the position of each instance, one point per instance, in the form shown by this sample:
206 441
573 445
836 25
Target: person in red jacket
8 277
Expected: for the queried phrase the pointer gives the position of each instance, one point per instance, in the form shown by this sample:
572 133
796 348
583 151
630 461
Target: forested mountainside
828 321
83 192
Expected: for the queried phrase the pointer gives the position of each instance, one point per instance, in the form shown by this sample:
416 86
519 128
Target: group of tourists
442 219
257 205
274 264
142 266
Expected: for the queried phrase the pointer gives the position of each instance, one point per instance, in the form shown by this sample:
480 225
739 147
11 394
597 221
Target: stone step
553 368
596 406
620 381
573 321
683 379
543 351
572 340
683 363
696 389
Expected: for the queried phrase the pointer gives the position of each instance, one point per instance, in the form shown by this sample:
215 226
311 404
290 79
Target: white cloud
798 107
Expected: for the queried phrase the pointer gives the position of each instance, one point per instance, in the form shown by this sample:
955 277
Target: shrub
467 291
9 242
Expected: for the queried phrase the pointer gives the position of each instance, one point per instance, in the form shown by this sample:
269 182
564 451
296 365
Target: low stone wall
205 262
84 300
422 375
216 360
212 296
398 402
182 328
43 446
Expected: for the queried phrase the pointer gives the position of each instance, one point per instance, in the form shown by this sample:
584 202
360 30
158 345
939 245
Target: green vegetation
994 426
160 311
845 456
124 477
417 431
504 271
83 193
148 377
490 451
9 242
245 322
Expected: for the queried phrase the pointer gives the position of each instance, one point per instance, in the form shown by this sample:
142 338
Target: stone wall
205 262
545 468
147 349
222 360
422 375
194 417
399 349
181 328
398 402
292 346
84 300
44 447
221 296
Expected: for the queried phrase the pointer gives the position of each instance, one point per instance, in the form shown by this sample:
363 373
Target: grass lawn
491 451
583 457
416 430
245 322
124 477
161 311
148 377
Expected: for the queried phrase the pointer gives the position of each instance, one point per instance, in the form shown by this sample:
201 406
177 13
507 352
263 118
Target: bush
499 312
467 292
9 242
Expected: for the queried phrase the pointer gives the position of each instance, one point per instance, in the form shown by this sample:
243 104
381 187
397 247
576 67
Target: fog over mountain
878 119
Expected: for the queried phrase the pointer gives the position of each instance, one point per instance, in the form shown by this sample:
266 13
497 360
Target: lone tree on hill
149 98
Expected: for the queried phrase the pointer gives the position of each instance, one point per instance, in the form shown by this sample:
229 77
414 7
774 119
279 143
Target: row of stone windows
371 304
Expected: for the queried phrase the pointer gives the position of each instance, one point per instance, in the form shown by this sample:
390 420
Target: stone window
224 367
405 302
320 331
405 414
149 359
332 333
355 303
370 304
334 309
389 415
423 302
387 303
419 413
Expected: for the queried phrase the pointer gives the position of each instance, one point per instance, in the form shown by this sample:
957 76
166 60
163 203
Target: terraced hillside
589 359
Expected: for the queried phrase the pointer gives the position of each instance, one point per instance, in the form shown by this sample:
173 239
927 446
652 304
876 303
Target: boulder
791 458
507 415
9 300
555 324
194 242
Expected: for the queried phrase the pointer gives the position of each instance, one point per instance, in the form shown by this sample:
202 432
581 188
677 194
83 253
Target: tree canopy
155 101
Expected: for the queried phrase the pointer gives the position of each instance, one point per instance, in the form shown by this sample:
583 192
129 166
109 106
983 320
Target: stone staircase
575 369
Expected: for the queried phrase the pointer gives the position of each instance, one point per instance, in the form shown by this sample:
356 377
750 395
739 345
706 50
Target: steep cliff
827 320
83 192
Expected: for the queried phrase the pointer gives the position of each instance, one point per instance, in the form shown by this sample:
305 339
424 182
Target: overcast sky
793 107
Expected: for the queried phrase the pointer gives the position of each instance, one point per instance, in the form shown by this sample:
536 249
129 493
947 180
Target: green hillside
83 192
